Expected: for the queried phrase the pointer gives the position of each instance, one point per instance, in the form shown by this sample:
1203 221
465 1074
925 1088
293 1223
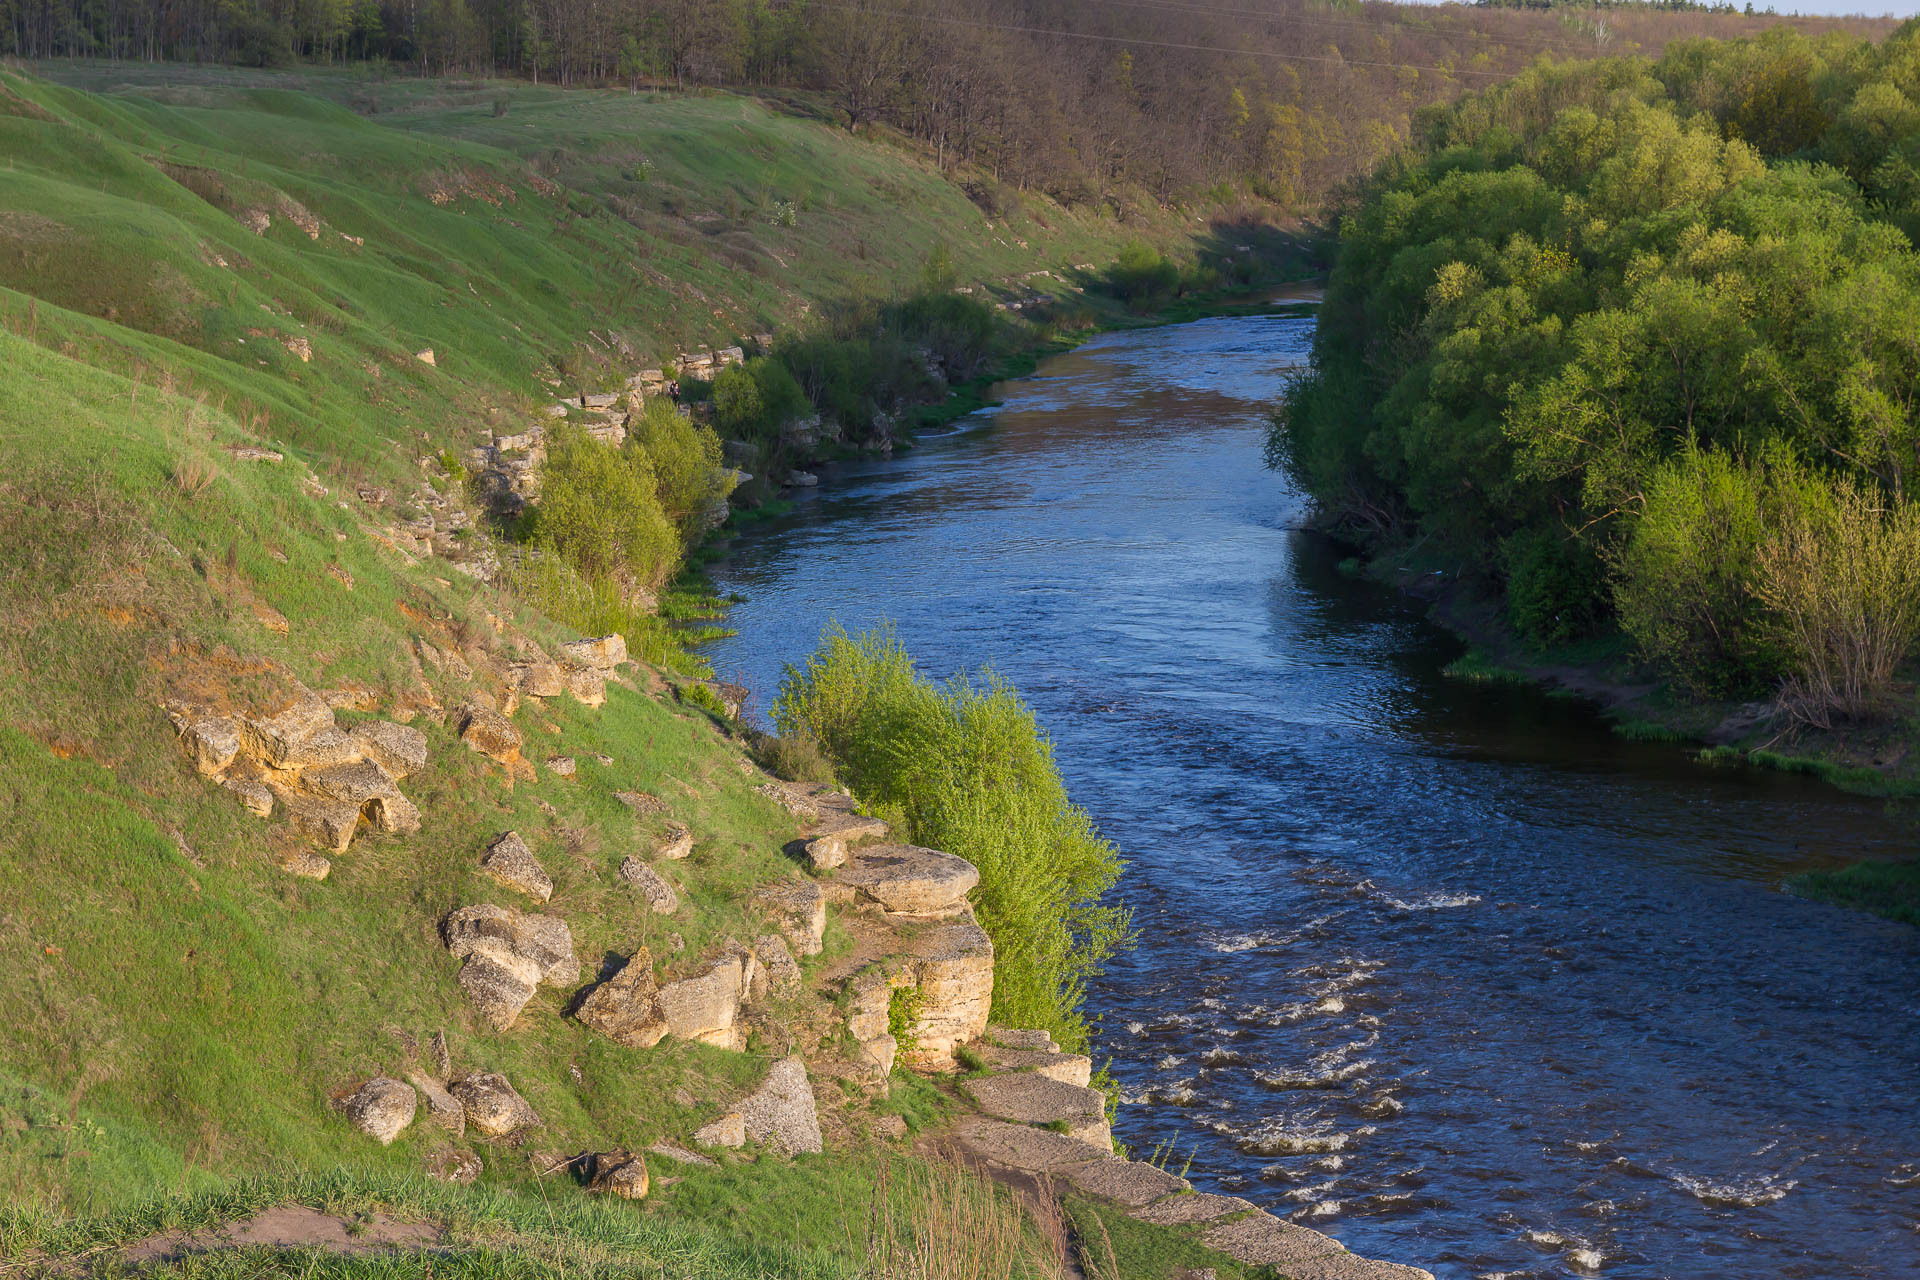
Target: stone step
1068 1068
909 880
1190 1210
1081 1114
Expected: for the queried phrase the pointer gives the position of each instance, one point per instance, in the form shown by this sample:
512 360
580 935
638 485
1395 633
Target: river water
1445 970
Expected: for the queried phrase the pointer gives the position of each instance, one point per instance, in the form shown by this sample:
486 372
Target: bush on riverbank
964 767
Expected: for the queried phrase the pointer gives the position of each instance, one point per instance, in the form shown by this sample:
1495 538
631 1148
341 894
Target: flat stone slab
1067 1068
1031 1099
1021 1038
1129 1183
909 879
1186 1210
1264 1240
1346 1266
1023 1147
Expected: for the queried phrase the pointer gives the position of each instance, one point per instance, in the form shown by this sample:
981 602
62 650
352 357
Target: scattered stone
490 733
425 356
441 1105
891 1127
909 880
1181 1210
626 1008
680 1155
705 1007
561 766
602 653
493 1108
650 884
442 1058
509 861
399 749
803 479
640 802
1032 1099
619 1173
256 796
508 955
787 798
214 742
605 761
588 686
454 1165
380 1108
254 453
678 843
780 1113
799 911
826 852
308 866
539 679
776 961
730 1130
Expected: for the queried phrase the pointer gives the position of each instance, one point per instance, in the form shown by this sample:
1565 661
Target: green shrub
797 757
599 512
1683 586
964 767
1556 586
1142 278
685 458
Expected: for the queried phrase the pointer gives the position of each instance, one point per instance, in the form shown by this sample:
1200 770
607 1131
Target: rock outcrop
907 880
618 1173
652 887
626 1008
508 956
510 862
780 1114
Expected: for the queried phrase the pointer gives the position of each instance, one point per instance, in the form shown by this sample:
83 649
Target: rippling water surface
1446 971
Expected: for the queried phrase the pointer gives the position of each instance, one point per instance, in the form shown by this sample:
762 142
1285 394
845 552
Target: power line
1157 44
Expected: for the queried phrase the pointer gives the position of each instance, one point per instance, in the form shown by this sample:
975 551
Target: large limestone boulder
490 733
329 823
509 861
652 887
626 1008
1025 1098
399 749
441 1105
588 685
706 1007
380 1108
539 679
780 1113
602 653
952 967
508 956
777 967
494 1108
908 880
214 741
618 1173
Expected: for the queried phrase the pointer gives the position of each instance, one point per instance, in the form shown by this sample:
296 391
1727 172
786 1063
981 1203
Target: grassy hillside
213 422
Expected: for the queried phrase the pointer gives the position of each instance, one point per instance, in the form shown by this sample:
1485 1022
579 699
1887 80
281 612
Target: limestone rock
1021 1146
651 886
777 962
619 1173
909 880
394 814
798 910
488 732
498 991
1037 1039
780 1113
642 804
493 1108
353 784
602 653
878 1055
587 685
677 844
298 731
680 1155
1128 1183
509 861
1264 1240
332 823
1185 1210
380 1108
1032 1099
730 1130
308 866
952 967
256 796
561 766
626 1008
539 679
824 853
705 1007
398 748
453 1165
508 955
441 1105
214 742
1068 1068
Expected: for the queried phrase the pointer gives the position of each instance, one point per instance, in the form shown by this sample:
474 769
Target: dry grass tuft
191 476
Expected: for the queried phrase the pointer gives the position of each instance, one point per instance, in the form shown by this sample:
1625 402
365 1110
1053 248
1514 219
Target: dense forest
1276 102
1639 343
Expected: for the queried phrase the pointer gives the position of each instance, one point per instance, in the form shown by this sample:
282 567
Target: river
1446 970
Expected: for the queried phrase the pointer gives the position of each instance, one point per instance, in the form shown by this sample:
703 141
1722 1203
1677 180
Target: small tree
600 512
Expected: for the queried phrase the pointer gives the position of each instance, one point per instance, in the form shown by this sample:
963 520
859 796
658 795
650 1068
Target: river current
1445 970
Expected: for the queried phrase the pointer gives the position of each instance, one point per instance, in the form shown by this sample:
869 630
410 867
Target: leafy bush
754 400
685 458
1555 586
1841 574
600 512
1683 588
1142 278
964 767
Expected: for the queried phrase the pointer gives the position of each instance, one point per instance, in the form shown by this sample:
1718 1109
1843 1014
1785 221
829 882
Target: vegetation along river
1444 969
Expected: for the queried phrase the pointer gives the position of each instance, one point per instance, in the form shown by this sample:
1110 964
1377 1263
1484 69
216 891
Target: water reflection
1443 969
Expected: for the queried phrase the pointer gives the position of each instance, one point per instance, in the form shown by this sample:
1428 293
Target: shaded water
1447 971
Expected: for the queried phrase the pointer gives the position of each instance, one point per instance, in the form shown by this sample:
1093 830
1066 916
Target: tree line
1637 344
1276 102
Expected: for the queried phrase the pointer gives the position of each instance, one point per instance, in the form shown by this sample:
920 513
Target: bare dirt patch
290 1226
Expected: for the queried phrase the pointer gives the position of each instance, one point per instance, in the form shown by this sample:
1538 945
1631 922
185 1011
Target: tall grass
964 767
